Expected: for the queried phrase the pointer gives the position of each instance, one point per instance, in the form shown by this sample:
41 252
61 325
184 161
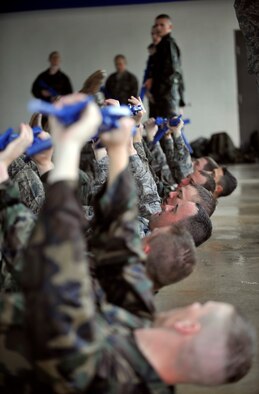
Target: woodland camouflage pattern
75 344
17 222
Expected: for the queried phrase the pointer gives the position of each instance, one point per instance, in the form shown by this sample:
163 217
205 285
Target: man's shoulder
130 75
43 74
61 73
112 76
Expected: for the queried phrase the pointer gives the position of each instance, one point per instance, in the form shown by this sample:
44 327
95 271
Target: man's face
199 164
186 193
120 65
217 173
155 36
163 26
198 178
55 60
181 211
197 311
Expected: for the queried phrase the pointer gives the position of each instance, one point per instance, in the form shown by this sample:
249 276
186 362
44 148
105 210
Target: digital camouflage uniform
25 174
86 347
149 201
158 163
178 157
247 12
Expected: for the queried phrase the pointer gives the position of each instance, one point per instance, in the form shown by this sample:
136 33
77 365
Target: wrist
46 167
66 163
3 172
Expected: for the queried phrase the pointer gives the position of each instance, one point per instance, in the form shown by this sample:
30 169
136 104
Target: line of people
89 234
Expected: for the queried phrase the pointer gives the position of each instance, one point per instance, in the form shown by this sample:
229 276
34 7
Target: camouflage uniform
157 161
17 222
84 347
178 157
25 174
247 12
149 200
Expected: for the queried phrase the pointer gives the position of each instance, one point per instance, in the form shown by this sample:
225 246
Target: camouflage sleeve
17 222
31 189
148 197
117 249
90 184
15 361
178 158
159 164
58 291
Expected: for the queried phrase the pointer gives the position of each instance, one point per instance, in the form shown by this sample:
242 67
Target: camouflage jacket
158 162
90 182
76 345
25 174
178 158
247 12
17 222
149 199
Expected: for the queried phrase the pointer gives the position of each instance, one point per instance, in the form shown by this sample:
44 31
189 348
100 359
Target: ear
187 327
218 190
147 248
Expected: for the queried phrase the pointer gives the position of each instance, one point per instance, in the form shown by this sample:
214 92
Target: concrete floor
227 269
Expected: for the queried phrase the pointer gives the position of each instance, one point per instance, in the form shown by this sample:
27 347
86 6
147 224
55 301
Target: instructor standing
166 83
52 82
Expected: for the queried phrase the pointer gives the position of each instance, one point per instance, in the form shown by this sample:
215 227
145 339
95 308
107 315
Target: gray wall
89 38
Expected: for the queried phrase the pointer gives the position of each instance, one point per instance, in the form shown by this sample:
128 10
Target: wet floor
227 269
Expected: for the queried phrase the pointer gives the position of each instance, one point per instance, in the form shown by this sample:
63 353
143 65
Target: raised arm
60 309
115 243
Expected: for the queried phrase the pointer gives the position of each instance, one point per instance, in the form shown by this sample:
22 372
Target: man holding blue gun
52 82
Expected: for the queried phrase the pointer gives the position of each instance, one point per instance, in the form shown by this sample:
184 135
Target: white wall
89 38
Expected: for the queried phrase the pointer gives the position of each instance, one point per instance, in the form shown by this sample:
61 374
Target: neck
53 69
150 341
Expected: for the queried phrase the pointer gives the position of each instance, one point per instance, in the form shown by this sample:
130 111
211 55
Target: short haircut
210 165
206 199
120 57
52 54
241 345
199 225
228 182
163 16
210 183
172 256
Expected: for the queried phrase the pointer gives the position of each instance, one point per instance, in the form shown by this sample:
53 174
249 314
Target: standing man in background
52 82
122 84
166 83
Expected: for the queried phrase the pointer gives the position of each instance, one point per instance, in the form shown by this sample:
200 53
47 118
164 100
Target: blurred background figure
122 84
52 82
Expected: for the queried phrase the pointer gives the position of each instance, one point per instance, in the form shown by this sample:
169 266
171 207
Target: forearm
117 249
149 200
58 290
184 166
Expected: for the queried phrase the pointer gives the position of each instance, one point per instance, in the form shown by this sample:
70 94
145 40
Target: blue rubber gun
135 109
51 90
38 145
163 128
66 115
111 116
70 113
